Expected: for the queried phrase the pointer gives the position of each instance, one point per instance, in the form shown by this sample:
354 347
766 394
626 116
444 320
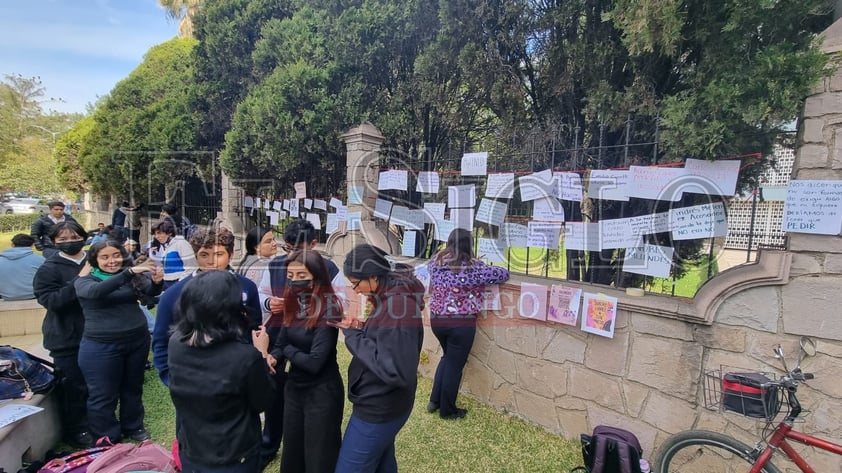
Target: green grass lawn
486 440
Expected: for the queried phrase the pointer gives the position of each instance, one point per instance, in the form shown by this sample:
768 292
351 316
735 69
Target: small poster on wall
564 304
599 313
532 303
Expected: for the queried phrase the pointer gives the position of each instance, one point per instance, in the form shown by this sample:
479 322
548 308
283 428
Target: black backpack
611 450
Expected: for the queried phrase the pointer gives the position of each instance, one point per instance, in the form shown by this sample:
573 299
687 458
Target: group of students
231 345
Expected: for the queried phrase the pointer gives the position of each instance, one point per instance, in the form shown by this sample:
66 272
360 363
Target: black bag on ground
611 450
23 374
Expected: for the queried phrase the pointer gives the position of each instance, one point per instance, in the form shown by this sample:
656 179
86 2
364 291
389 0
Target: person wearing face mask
313 393
115 342
63 326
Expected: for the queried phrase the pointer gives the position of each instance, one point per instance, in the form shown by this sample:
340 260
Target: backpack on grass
611 450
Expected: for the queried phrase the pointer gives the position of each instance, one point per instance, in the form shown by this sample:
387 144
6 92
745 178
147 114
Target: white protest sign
308 204
547 209
315 220
608 185
617 233
658 183
474 164
355 194
581 236
382 209
354 221
649 260
434 211
332 223
285 204
463 218
258 203
277 206
543 235
267 204
248 202
273 216
342 213
335 203
408 246
415 219
491 212
500 186
443 229
293 208
720 177
568 186
813 207
461 196
320 204
491 250
428 182
514 234
536 185
300 190
400 215
650 223
698 221
393 180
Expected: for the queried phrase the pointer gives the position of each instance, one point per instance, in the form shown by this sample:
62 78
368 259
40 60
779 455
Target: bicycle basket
749 394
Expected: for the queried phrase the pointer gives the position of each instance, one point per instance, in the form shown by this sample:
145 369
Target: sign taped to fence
443 229
698 221
564 304
514 234
462 196
536 185
532 303
599 314
463 218
568 186
500 186
428 182
300 190
434 211
491 212
382 209
332 223
543 235
608 185
649 260
547 209
720 176
657 183
491 250
408 246
474 164
394 179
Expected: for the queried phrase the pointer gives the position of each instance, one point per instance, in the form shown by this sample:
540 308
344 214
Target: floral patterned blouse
461 292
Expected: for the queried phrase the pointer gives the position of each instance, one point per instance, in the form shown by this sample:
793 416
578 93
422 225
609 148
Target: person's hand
86 270
145 267
272 362
260 340
347 323
276 304
157 274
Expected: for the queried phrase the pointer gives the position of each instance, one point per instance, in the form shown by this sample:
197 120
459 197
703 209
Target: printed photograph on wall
599 312
564 304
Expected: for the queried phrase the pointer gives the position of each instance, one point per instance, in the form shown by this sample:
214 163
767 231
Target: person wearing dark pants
63 325
114 372
313 398
457 289
115 342
386 349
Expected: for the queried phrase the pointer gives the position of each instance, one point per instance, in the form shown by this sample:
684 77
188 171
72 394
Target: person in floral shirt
457 282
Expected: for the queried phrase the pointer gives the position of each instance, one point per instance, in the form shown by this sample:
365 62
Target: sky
80 49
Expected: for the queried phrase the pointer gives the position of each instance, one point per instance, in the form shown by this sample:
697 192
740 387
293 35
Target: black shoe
138 435
81 440
457 414
266 459
432 407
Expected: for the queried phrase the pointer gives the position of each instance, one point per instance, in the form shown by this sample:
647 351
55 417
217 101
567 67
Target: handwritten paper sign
408 247
717 177
434 211
813 207
274 216
355 194
514 234
474 164
342 213
491 250
428 182
568 186
285 204
564 304
443 229
617 233
698 221
500 186
393 179
248 202
543 235
382 209
649 260
415 219
332 223
608 185
354 221
650 224
532 303
320 204
400 215
315 220
300 190
461 196
463 218
537 185
335 203
581 236
599 314
277 206
547 209
293 208
655 183
308 204
491 212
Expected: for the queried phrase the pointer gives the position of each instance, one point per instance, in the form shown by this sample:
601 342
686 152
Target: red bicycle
700 451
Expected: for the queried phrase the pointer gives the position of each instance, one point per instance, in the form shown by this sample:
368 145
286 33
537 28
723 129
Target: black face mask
300 286
70 247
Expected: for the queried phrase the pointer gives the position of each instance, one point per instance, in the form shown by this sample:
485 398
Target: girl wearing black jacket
63 325
115 343
386 347
313 393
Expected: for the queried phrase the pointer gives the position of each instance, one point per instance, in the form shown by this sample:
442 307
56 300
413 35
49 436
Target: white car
23 206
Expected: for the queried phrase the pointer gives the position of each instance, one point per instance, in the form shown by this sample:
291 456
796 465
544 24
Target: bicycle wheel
699 451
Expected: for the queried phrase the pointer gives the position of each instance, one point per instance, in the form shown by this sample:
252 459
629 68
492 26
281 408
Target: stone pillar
362 160
232 199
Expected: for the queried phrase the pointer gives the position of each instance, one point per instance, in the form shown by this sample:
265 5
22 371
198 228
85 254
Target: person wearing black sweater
219 383
115 342
41 227
386 348
313 393
63 325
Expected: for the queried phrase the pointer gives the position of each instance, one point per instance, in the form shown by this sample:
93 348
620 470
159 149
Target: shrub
17 222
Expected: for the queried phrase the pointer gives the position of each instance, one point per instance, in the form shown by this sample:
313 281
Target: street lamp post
54 134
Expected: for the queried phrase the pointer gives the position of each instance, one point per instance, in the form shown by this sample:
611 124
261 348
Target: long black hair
210 310
253 238
365 261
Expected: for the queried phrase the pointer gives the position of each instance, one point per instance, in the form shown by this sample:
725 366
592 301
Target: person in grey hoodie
17 269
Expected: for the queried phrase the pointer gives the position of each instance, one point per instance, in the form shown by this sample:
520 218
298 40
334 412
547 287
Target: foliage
67 155
144 131
17 222
184 11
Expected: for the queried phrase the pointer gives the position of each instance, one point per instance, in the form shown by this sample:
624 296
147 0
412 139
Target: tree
67 154
184 11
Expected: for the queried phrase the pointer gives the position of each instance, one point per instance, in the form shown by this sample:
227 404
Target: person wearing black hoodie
63 325
386 347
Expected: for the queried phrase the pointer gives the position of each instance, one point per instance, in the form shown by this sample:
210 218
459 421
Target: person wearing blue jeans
386 348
